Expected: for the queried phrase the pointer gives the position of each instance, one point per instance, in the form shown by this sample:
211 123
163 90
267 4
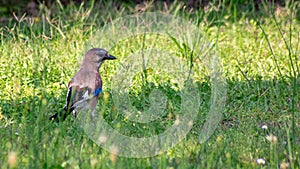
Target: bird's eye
100 54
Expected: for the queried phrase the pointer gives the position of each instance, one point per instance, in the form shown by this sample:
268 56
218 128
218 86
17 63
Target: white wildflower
260 161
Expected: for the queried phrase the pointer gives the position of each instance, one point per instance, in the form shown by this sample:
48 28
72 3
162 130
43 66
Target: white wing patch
69 90
83 101
86 95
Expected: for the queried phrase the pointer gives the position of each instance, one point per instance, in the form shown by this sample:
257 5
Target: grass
258 53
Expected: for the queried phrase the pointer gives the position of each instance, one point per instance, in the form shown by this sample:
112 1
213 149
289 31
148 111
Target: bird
86 85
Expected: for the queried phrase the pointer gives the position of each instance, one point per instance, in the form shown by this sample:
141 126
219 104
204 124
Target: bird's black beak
109 57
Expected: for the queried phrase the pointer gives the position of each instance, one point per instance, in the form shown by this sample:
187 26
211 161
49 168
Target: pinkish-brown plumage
85 86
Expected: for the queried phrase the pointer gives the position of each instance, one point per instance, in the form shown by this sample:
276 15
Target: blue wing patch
97 91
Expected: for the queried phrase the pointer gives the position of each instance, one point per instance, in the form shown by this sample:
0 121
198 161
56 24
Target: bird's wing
77 96
81 90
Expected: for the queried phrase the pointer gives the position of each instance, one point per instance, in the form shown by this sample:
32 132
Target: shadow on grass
250 104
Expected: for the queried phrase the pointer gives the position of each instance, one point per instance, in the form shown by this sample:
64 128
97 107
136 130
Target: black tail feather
61 115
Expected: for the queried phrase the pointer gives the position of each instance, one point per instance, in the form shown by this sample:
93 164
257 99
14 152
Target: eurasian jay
85 86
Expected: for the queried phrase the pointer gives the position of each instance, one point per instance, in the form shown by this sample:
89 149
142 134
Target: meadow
258 49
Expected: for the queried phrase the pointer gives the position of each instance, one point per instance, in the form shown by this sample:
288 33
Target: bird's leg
92 113
74 114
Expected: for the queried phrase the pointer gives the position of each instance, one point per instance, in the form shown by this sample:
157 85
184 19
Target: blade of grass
294 74
271 50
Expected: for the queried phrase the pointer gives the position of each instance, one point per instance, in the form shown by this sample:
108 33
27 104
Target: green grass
259 55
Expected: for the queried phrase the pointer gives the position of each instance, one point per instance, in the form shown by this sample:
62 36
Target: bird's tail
59 116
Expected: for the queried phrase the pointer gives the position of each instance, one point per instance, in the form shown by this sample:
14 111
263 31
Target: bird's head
96 56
